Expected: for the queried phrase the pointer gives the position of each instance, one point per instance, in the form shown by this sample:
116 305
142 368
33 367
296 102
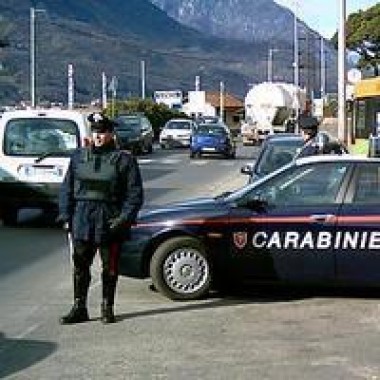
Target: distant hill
114 36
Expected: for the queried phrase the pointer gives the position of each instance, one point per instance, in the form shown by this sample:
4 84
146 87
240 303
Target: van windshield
36 136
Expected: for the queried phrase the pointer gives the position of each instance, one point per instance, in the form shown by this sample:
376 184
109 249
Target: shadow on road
18 354
261 294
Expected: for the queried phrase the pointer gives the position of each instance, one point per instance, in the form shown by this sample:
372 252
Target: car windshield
276 154
37 136
293 184
178 125
211 129
128 124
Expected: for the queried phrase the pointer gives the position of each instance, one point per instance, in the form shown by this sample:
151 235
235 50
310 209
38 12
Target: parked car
35 149
177 133
213 139
134 133
276 151
279 149
314 221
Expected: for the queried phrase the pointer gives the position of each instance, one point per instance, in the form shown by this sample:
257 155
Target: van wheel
9 216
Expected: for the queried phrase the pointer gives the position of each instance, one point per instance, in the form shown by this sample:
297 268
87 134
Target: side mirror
247 169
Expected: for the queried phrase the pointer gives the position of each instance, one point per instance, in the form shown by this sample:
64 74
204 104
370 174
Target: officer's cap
100 123
308 123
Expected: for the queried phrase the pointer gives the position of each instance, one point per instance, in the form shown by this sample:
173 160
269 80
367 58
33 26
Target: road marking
199 163
164 161
28 330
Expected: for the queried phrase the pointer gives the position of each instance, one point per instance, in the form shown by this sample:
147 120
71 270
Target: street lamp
270 63
33 12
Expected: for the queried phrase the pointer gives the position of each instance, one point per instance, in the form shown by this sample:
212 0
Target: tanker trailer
268 106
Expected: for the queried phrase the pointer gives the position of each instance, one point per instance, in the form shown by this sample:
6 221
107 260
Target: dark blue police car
314 220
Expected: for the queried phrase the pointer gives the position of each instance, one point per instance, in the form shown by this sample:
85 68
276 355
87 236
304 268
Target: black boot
78 312
107 314
109 288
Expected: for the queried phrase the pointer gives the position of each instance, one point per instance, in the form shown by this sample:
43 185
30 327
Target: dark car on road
279 149
212 139
314 221
134 133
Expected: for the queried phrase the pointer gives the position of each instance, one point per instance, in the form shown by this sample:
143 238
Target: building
208 103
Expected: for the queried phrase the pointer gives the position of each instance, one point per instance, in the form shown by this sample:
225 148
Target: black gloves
116 224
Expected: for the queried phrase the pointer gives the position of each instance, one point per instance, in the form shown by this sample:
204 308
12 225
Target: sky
323 15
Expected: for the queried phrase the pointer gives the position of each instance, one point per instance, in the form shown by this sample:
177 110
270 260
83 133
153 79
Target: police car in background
315 220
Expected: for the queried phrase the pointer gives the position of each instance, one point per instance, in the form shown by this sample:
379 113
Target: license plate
208 149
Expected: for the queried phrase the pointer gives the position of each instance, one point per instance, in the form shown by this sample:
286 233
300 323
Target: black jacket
90 219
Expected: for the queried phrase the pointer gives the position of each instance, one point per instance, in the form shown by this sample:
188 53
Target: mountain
115 36
259 20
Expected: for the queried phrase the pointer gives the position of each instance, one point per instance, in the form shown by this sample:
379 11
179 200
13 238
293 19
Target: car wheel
150 148
9 216
180 269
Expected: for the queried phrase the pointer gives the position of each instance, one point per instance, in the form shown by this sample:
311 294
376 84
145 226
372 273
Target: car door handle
323 218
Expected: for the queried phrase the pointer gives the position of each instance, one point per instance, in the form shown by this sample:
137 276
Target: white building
197 106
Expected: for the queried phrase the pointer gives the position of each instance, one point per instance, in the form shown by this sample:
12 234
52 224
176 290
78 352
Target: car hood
192 208
125 133
210 138
176 132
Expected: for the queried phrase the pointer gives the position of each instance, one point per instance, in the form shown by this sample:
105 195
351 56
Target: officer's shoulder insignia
240 239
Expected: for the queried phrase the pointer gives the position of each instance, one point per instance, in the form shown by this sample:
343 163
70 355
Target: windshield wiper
53 153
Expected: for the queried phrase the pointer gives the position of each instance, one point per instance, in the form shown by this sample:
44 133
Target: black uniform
99 198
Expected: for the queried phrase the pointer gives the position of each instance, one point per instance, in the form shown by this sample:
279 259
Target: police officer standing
99 200
309 126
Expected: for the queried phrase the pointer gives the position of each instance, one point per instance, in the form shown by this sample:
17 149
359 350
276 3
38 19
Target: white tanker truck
268 108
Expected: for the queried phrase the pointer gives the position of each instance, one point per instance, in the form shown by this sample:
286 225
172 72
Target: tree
158 114
363 36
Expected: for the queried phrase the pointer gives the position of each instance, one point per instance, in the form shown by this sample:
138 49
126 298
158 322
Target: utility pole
70 87
296 63
323 69
142 80
221 102
33 12
104 91
270 63
342 128
197 83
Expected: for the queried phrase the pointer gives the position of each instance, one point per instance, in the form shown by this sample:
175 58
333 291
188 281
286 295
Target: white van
35 146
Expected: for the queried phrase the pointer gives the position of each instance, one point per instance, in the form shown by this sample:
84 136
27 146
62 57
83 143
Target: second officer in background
309 126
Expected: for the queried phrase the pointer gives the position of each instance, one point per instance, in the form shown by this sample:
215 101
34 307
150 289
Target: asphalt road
255 333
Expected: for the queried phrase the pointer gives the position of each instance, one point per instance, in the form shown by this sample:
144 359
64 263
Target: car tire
150 149
9 216
180 269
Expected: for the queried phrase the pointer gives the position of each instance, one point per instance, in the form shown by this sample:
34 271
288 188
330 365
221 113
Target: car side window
367 185
304 185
